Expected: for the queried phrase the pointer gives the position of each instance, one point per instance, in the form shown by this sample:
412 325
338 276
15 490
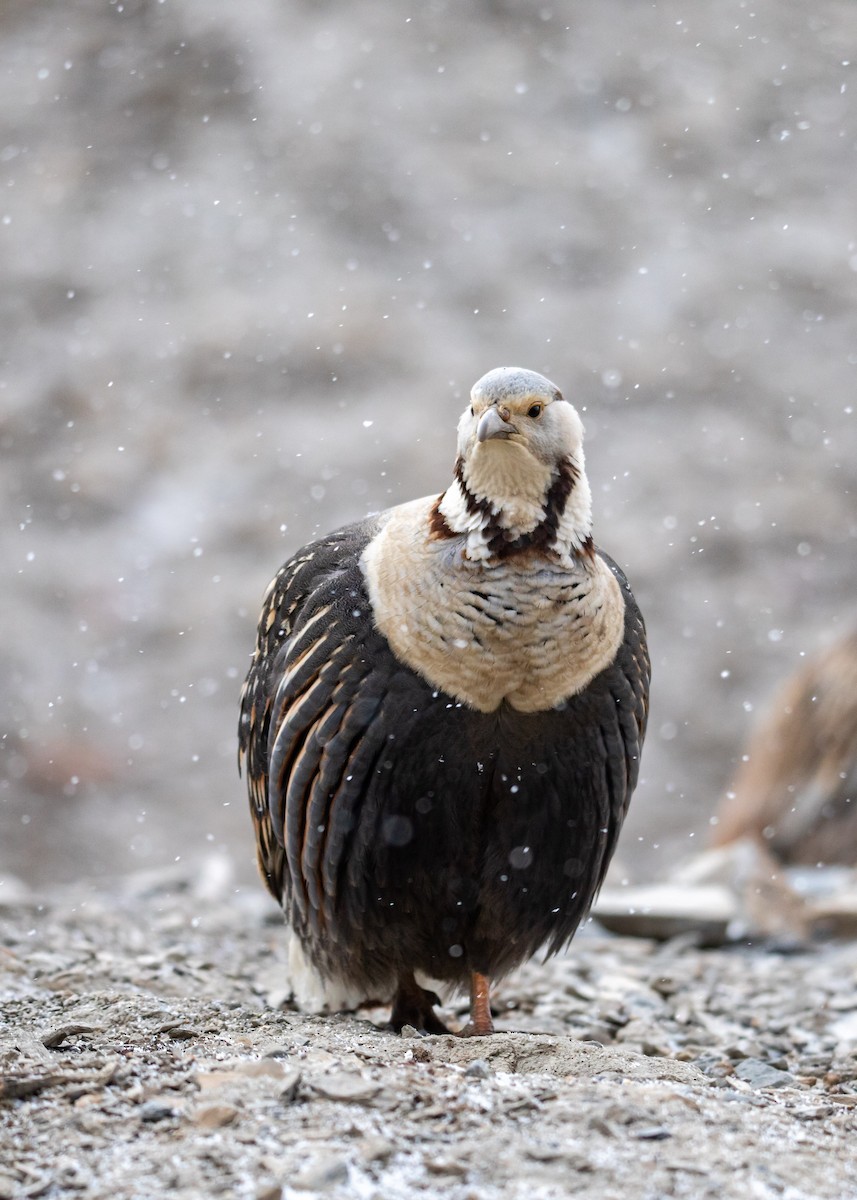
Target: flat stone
653 1133
156 1110
9 1186
761 1075
215 1116
445 1166
56 1036
271 1192
320 1176
376 1149
354 1089
240 1072
665 910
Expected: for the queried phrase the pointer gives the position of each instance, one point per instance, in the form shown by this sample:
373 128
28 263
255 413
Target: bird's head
520 478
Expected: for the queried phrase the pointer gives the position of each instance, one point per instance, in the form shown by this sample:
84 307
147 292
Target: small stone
271 1192
55 1037
743 1049
237 1072
291 1083
321 1175
655 1133
814 1064
662 911
478 1069
445 1166
354 1089
541 1153
761 1075
9 1186
215 1116
376 1149
156 1110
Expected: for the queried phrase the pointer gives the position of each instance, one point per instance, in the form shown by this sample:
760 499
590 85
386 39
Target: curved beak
492 425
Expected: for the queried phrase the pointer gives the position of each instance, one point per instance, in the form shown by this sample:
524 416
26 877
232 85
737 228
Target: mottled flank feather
442 722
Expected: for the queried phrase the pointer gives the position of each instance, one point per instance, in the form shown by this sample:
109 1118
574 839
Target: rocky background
253 256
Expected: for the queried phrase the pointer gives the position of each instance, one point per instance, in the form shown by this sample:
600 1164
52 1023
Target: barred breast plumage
443 718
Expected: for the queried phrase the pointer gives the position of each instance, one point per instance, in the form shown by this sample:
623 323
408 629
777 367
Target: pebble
231 1073
445 1166
321 1175
215 1116
762 1075
543 1153
9 1186
156 1110
56 1036
271 1192
290 1084
376 1149
354 1089
478 1069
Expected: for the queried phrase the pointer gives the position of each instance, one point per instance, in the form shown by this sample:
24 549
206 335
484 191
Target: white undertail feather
311 992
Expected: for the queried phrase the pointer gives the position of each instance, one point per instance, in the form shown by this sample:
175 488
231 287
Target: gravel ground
145 1049
251 259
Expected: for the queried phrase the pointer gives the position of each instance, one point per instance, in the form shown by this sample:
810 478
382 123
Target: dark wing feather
306 731
608 720
627 679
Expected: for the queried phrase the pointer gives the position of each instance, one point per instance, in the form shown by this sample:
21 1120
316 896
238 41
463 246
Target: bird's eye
535 410
472 413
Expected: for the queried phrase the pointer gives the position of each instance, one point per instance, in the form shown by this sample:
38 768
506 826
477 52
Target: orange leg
480 1023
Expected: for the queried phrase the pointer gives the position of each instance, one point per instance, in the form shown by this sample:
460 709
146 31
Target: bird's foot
413 1005
471 1029
480 1023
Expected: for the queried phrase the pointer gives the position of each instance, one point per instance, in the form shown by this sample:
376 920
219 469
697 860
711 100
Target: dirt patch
140 1054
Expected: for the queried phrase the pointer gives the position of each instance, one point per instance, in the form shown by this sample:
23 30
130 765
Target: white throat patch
510 491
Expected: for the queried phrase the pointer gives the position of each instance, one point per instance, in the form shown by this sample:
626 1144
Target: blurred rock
767 905
340 1085
732 893
762 1075
215 1116
664 910
796 790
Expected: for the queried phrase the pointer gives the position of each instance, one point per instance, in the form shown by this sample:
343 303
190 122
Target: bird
442 722
796 787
